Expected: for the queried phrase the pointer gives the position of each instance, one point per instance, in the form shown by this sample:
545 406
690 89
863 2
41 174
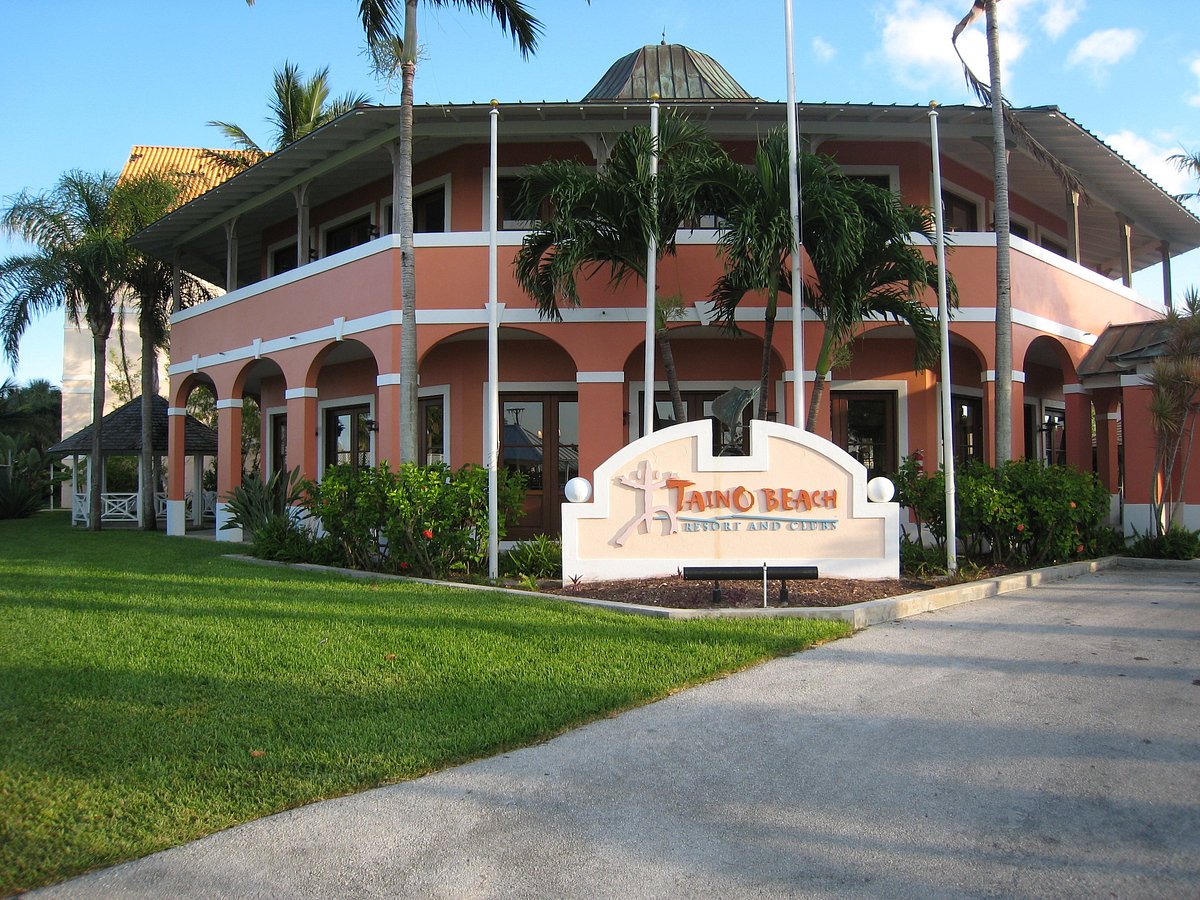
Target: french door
539 437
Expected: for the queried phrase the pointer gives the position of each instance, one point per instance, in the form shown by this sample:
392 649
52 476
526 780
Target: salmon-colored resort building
310 321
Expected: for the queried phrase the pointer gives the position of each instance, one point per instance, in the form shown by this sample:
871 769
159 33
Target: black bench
717 574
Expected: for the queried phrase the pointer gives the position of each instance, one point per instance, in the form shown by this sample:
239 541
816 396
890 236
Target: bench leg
783 594
716 594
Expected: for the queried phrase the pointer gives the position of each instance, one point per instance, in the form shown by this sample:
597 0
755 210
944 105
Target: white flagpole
797 247
944 333
651 272
492 460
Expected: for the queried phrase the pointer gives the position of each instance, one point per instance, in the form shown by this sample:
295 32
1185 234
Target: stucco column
1018 416
387 416
1107 456
229 462
176 474
302 435
601 418
1079 427
1138 451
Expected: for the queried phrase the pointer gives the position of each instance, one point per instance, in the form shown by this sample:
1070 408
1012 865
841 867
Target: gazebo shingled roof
122 433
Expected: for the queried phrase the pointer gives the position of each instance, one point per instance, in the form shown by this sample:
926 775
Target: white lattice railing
124 507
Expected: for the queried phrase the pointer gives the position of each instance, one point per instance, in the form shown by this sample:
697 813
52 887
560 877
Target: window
967 414
513 216
283 259
879 181
350 234
1054 247
864 425
348 436
960 214
1016 229
429 211
431 412
699 405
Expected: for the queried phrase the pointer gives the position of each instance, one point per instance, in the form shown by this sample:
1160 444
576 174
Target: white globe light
578 490
880 490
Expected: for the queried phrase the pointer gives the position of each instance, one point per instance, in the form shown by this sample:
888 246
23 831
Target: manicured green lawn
152 692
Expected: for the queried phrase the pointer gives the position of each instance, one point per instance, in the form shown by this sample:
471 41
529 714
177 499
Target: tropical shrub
1177 543
25 478
255 503
417 520
540 557
1024 512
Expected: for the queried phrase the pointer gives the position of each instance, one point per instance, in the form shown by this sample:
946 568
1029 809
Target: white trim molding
600 377
176 411
989 375
299 393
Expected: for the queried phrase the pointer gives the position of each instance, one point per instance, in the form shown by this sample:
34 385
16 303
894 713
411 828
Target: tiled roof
122 433
201 173
672 71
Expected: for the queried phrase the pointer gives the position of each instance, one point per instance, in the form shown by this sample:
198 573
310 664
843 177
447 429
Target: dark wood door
539 437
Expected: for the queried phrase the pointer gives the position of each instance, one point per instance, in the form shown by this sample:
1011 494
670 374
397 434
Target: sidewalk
1040 743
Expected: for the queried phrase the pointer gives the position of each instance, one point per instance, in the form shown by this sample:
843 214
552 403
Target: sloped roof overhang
352 151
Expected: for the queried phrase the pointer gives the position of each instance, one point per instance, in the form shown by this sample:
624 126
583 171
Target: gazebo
122 436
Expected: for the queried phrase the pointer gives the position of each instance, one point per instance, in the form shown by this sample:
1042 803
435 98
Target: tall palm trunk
1004 350
408 275
99 350
146 480
764 376
668 362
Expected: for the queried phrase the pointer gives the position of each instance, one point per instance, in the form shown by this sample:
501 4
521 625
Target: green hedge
1022 513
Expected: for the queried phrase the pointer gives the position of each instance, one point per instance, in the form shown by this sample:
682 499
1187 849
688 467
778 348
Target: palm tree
1175 406
606 217
881 276
756 231
992 95
298 106
78 231
384 26
1187 162
863 263
33 410
150 280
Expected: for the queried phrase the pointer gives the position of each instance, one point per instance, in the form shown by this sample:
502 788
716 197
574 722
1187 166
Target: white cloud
915 36
1151 158
1194 99
1060 15
1102 49
823 50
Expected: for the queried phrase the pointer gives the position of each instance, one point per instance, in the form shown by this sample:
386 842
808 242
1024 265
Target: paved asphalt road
1044 743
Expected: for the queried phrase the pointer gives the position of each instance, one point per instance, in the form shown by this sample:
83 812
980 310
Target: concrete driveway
1043 743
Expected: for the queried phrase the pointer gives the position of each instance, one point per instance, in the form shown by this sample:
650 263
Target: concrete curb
859 615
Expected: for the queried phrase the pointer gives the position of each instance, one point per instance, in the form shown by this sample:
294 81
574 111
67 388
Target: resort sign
665 502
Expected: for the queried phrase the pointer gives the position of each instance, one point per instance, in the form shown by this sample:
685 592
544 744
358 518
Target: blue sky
85 80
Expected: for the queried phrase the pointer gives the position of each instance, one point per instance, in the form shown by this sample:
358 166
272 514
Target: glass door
539 437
